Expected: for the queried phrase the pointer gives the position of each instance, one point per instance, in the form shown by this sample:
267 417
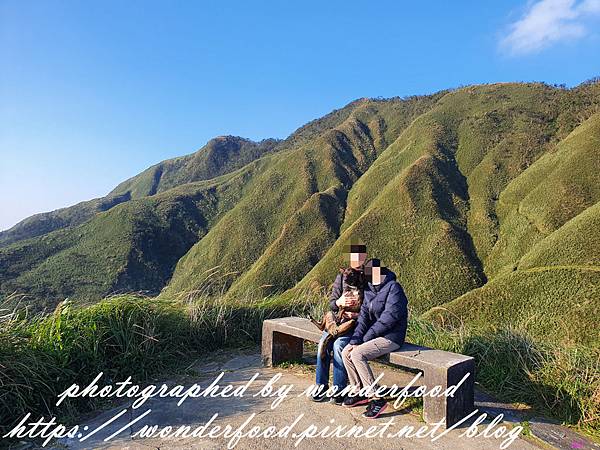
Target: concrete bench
283 340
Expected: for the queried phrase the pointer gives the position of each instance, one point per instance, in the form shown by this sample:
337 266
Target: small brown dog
334 323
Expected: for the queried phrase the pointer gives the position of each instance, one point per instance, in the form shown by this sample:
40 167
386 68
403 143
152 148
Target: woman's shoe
320 396
337 400
356 400
376 407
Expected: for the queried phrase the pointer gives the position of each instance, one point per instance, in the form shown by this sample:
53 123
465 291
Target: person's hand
349 315
347 300
350 300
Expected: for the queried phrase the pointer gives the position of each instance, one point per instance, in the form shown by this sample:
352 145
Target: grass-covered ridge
131 247
219 156
450 190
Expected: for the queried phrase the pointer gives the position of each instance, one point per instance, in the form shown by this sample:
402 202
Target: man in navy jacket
381 329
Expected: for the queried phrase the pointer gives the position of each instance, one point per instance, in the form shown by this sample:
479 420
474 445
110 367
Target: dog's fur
352 281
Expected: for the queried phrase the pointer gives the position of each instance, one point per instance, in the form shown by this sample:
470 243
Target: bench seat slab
283 340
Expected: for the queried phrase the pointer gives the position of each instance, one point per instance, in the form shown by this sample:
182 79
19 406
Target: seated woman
357 254
381 329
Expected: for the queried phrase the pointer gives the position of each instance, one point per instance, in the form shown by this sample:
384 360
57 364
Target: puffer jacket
384 312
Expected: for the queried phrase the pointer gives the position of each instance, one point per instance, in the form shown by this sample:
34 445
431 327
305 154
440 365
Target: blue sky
92 93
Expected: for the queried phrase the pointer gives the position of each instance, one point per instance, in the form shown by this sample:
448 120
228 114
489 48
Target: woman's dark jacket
384 312
336 292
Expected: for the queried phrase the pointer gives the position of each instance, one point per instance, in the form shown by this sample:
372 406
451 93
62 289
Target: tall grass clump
121 336
141 337
559 381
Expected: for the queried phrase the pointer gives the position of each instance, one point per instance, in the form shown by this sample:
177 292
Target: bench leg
453 409
279 347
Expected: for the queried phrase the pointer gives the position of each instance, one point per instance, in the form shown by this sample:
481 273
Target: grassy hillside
135 246
293 210
558 187
428 206
548 252
219 156
132 247
555 304
556 286
576 243
43 223
454 191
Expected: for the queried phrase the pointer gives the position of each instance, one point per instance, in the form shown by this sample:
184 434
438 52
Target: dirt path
293 408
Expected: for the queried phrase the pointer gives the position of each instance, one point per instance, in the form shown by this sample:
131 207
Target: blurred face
374 274
357 260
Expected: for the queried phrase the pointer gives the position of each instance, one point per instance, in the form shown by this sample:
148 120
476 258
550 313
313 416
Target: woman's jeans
340 377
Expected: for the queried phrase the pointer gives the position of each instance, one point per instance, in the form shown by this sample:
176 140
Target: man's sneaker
356 400
337 400
375 408
383 393
320 396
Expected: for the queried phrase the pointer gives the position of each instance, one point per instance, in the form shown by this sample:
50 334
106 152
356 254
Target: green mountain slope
427 205
553 293
576 243
285 204
43 223
423 231
133 246
220 155
560 185
557 304
553 289
482 199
